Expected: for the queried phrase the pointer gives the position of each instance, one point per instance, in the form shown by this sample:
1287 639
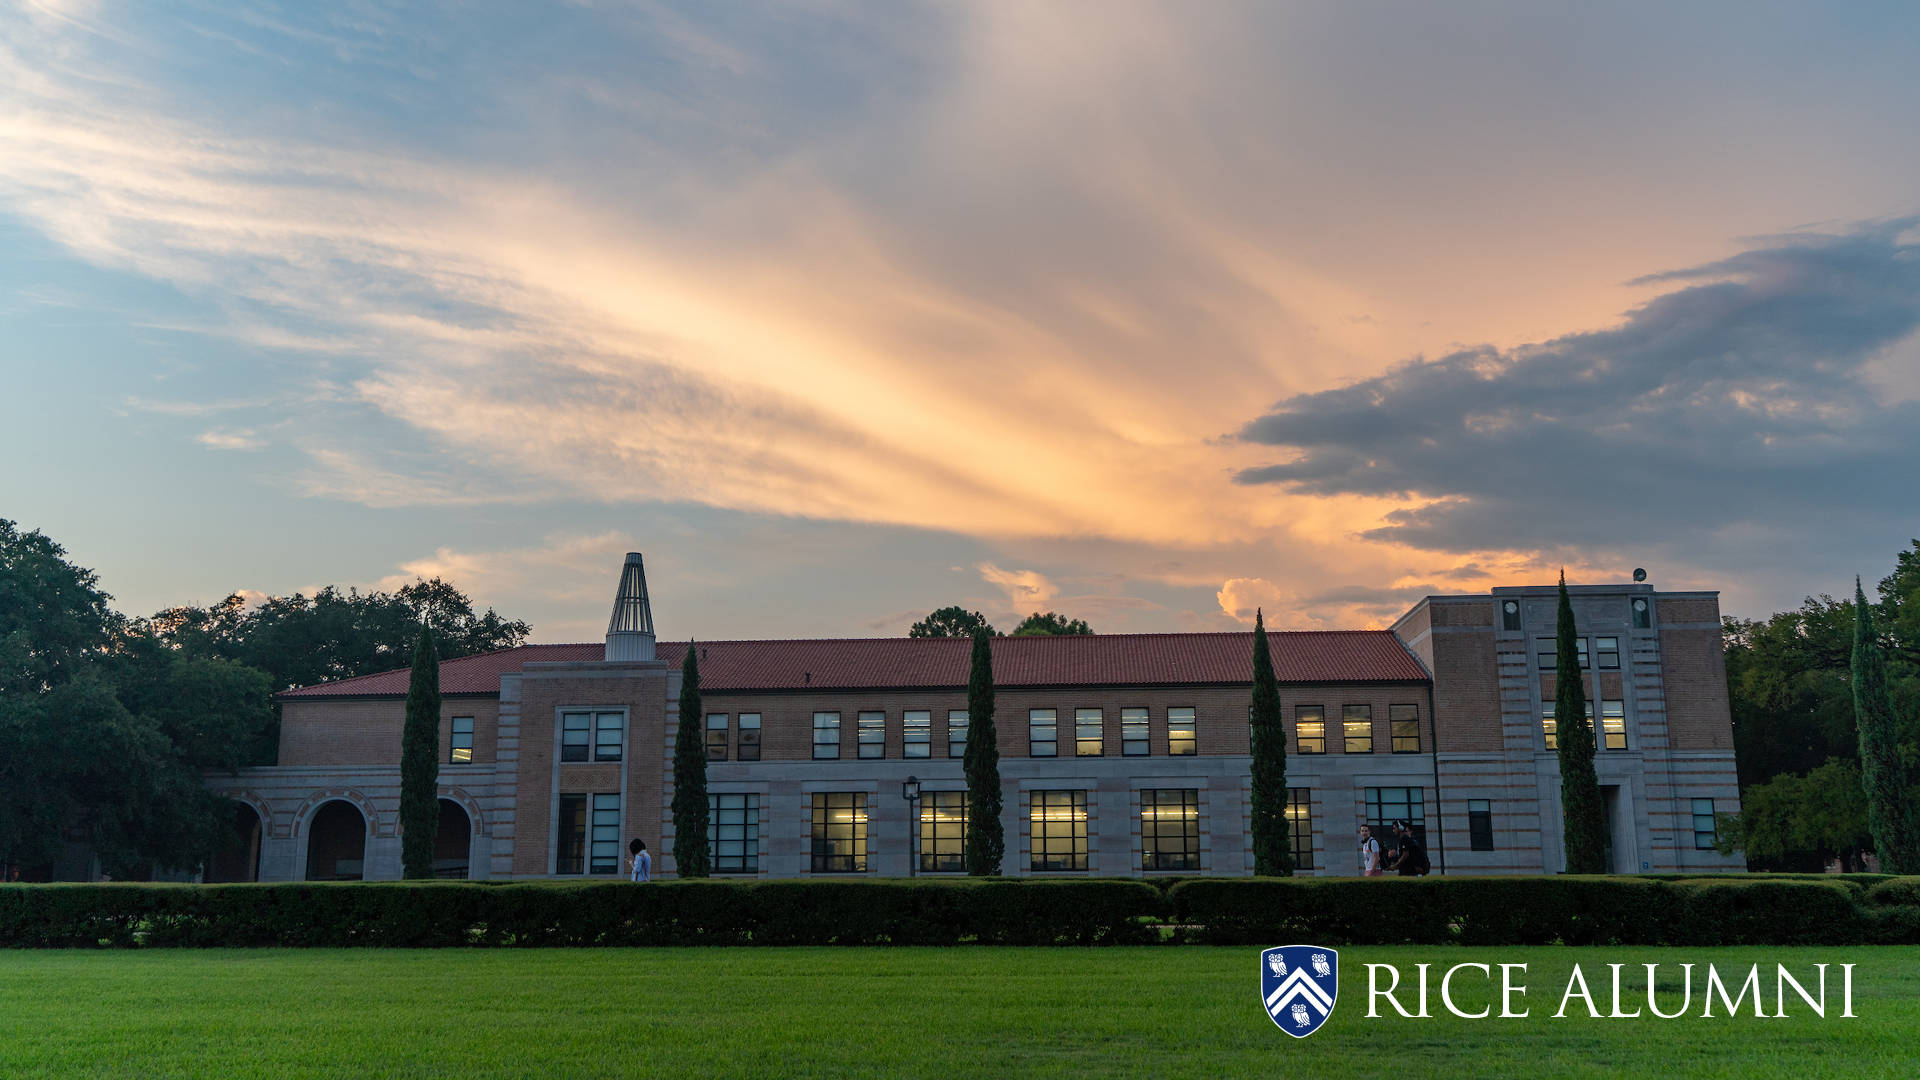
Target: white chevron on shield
1298 985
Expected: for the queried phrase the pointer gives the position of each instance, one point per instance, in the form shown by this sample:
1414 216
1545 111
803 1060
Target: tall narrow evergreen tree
986 843
1891 817
1583 823
690 776
420 762
1272 847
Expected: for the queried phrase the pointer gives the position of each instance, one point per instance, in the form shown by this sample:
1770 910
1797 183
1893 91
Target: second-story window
1133 732
873 735
1356 727
1310 728
917 728
1181 732
1043 733
956 733
749 736
716 736
460 742
1403 722
826 735
1087 741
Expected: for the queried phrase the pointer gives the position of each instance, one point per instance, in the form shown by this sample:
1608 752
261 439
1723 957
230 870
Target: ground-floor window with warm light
943 832
839 832
1170 829
1059 827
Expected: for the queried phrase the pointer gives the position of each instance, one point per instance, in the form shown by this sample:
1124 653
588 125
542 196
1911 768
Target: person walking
1412 860
642 863
1369 853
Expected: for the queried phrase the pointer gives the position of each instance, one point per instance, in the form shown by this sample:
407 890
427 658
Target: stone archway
337 843
239 860
453 842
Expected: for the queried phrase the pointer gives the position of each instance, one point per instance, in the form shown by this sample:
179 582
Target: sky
1149 314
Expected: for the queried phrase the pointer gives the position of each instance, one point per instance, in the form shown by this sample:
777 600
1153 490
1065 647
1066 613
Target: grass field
961 1012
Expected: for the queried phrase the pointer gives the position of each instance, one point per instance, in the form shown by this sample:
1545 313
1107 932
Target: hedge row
1747 910
1546 910
436 914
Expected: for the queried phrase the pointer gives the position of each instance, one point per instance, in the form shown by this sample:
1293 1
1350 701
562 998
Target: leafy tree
1272 848
1790 691
1886 775
1583 815
420 762
690 776
953 621
1796 823
1037 624
986 842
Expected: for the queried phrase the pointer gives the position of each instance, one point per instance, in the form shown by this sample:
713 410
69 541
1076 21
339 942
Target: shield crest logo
1299 985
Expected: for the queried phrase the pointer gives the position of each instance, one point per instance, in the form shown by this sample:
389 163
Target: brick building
1120 754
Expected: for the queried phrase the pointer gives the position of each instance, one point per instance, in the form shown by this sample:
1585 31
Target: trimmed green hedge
1731 910
710 912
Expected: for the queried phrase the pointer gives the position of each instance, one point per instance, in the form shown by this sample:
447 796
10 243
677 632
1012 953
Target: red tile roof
882 663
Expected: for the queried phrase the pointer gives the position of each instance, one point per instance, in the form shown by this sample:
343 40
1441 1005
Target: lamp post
910 791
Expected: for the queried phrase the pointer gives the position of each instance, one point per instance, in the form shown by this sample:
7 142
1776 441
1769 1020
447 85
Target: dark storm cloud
1739 405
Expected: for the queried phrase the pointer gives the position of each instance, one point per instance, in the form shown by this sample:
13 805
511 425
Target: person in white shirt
642 863
1369 853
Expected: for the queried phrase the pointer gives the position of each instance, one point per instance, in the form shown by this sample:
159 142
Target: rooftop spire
630 631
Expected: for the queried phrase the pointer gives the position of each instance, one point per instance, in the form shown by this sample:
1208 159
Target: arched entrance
336 843
453 842
239 859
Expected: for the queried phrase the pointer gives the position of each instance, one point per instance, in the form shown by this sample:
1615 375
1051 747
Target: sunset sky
1148 314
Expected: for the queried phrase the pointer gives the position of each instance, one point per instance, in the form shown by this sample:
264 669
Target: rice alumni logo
1299 985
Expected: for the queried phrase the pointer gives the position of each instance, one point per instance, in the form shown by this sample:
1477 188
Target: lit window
1356 726
603 854
460 745
1704 831
1170 829
1300 826
1133 732
1180 732
839 831
749 736
1606 652
1549 727
957 733
917 725
717 736
1613 724
826 735
1043 733
576 736
873 734
1310 728
606 736
733 845
1086 733
943 832
1059 829
570 836
1386 805
1404 720
1479 825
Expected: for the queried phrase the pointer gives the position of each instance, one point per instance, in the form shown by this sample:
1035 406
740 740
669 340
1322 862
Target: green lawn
1153 1012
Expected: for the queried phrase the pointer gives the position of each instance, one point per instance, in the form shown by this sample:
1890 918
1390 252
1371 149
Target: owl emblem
1299 1015
1277 966
1320 965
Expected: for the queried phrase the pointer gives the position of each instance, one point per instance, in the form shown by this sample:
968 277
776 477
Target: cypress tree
1272 848
1891 817
690 776
986 843
1582 813
420 762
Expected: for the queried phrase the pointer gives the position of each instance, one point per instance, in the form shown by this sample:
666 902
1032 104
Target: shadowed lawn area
961 1012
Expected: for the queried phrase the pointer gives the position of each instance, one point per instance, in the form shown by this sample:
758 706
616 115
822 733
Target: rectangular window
917 728
460 743
1704 829
1133 732
603 852
839 832
570 836
749 736
1356 726
1549 727
1607 653
943 832
826 736
1043 733
1310 728
1613 725
1548 652
1404 720
576 736
1180 732
733 846
1642 613
873 734
1170 829
1059 828
1300 826
606 736
1087 724
1386 805
1479 825
716 736
957 733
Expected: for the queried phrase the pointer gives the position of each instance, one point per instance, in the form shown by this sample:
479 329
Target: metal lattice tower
630 631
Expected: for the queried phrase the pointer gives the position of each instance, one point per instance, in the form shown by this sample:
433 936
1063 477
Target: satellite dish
1639 573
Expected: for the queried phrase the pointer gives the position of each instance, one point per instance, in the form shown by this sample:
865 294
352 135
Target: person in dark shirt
1410 860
